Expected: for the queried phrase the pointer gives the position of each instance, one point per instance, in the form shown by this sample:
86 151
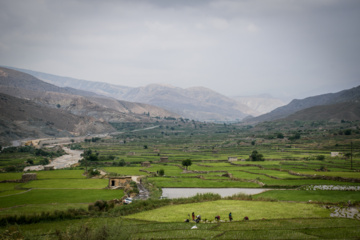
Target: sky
286 48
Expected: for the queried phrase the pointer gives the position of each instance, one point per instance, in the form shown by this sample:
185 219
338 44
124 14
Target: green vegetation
285 155
239 209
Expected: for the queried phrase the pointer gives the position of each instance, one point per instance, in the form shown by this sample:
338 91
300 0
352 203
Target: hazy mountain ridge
261 104
197 103
101 88
208 103
349 111
350 95
24 85
90 114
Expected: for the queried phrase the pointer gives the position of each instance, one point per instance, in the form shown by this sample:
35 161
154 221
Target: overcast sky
287 48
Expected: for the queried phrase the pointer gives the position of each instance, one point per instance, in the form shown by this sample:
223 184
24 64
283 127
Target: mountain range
33 108
28 103
343 105
198 103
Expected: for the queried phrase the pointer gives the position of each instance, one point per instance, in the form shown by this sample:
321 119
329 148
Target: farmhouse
164 159
119 182
232 159
145 164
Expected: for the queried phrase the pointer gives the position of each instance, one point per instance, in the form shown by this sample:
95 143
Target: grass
253 209
60 174
119 228
37 208
51 196
133 171
10 176
67 184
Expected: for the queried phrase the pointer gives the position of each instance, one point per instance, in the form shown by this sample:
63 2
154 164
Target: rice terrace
306 173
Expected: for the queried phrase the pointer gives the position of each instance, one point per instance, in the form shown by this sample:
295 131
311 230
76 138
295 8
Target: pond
223 192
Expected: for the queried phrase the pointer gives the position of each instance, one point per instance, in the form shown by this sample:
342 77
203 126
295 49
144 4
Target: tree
186 163
280 135
255 156
295 136
145 147
161 172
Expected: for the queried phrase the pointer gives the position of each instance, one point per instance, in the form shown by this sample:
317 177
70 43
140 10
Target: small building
164 159
119 182
232 159
336 154
145 164
26 177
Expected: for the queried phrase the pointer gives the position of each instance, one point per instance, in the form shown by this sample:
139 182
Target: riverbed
223 192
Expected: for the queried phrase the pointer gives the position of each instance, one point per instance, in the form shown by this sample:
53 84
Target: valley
290 173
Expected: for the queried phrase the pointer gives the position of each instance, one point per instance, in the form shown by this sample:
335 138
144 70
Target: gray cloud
285 48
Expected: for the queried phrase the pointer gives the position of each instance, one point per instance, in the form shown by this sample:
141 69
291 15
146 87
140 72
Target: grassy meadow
288 211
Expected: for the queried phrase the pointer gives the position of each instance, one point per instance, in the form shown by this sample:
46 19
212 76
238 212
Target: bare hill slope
22 118
350 95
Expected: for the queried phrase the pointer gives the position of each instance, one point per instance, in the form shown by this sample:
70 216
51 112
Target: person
198 218
246 218
230 217
193 216
217 218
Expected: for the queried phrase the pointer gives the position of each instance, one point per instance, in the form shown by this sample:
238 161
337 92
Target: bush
44 161
255 156
320 157
93 172
161 172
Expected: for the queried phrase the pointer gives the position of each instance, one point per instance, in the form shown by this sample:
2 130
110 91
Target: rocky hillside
349 111
79 102
346 96
33 108
193 103
197 103
100 88
22 118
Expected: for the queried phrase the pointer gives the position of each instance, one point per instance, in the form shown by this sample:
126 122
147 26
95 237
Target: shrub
320 157
255 156
93 172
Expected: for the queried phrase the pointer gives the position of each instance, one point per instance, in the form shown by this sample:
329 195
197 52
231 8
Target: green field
286 213
239 209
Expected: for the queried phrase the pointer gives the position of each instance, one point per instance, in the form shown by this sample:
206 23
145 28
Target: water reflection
223 192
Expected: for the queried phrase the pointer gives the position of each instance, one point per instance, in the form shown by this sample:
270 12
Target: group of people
197 218
217 218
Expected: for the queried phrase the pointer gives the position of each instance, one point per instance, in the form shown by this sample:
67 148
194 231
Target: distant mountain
262 103
49 106
349 111
346 96
197 103
100 88
24 85
193 103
